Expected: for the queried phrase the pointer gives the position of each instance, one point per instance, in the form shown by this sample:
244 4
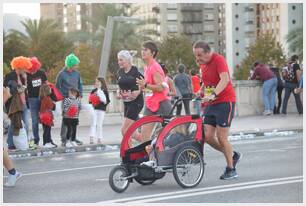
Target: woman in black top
129 91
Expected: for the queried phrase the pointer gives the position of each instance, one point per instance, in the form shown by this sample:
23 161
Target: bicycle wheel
188 167
116 179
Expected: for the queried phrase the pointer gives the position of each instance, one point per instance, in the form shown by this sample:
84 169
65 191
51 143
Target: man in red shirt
220 97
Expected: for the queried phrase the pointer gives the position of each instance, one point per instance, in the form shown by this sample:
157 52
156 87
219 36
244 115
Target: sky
31 10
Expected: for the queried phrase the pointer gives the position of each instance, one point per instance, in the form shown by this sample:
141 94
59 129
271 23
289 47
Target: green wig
71 60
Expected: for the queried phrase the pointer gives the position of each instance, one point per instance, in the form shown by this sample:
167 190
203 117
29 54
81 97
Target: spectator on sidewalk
221 104
68 78
169 81
263 73
46 115
153 84
300 88
292 75
182 81
99 98
129 91
17 79
72 107
196 85
35 78
14 174
280 87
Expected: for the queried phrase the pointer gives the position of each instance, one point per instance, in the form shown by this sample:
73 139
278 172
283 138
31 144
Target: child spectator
45 114
72 106
99 98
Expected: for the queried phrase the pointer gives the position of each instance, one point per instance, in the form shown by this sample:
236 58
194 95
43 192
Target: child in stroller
176 136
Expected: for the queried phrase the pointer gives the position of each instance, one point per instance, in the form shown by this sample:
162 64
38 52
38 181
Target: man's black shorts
219 114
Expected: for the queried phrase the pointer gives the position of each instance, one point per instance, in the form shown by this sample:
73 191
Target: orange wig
21 63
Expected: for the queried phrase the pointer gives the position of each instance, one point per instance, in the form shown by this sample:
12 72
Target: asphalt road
270 172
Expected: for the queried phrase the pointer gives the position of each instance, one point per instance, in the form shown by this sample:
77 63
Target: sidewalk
255 125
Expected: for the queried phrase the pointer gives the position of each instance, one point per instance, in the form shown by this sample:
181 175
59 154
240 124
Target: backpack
290 73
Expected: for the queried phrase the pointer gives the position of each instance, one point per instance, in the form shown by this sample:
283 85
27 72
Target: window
236 4
179 134
208 27
172 6
236 16
237 53
237 41
172 17
209 16
293 21
237 28
277 18
172 28
293 7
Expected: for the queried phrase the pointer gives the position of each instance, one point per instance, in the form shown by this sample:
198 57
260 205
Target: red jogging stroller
178 149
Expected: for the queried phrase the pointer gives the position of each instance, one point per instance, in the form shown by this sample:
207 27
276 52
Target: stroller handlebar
179 99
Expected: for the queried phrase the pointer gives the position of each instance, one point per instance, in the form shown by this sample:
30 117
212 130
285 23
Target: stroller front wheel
117 179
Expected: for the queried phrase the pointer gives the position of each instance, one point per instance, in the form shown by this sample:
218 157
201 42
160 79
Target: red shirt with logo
210 77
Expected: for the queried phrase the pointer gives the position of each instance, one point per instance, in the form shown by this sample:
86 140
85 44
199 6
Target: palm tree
295 41
35 31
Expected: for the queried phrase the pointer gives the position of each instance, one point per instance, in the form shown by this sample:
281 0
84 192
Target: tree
295 41
13 46
125 35
35 32
174 50
44 40
87 65
265 50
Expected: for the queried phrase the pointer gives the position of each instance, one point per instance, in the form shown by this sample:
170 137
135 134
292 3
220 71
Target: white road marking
66 170
103 179
191 191
219 190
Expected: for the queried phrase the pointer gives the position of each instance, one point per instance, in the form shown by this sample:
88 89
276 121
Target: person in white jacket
99 98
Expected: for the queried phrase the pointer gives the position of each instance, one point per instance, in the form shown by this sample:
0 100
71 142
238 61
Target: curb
112 147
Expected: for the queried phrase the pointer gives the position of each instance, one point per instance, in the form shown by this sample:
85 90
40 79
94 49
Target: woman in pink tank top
154 85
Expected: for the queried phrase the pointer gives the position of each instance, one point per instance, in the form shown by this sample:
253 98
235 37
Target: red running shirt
211 78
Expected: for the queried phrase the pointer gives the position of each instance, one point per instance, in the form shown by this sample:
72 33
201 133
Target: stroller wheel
144 182
117 179
188 167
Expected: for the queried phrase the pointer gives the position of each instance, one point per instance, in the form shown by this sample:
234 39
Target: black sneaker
78 142
229 173
236 157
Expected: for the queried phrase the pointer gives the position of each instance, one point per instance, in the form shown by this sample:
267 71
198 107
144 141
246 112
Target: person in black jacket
18 78
280 87
99 98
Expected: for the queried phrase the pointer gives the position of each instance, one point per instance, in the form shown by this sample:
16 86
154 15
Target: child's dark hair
75 91
152 46
163 66
103 83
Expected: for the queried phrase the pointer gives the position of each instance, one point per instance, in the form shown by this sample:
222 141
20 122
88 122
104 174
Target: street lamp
108 40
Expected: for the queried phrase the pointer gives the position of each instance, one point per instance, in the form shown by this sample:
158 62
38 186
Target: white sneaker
69 144
12 179
150 163
74 144
49 145
267 112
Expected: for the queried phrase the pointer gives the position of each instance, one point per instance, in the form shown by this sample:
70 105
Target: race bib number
208 91
36 83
